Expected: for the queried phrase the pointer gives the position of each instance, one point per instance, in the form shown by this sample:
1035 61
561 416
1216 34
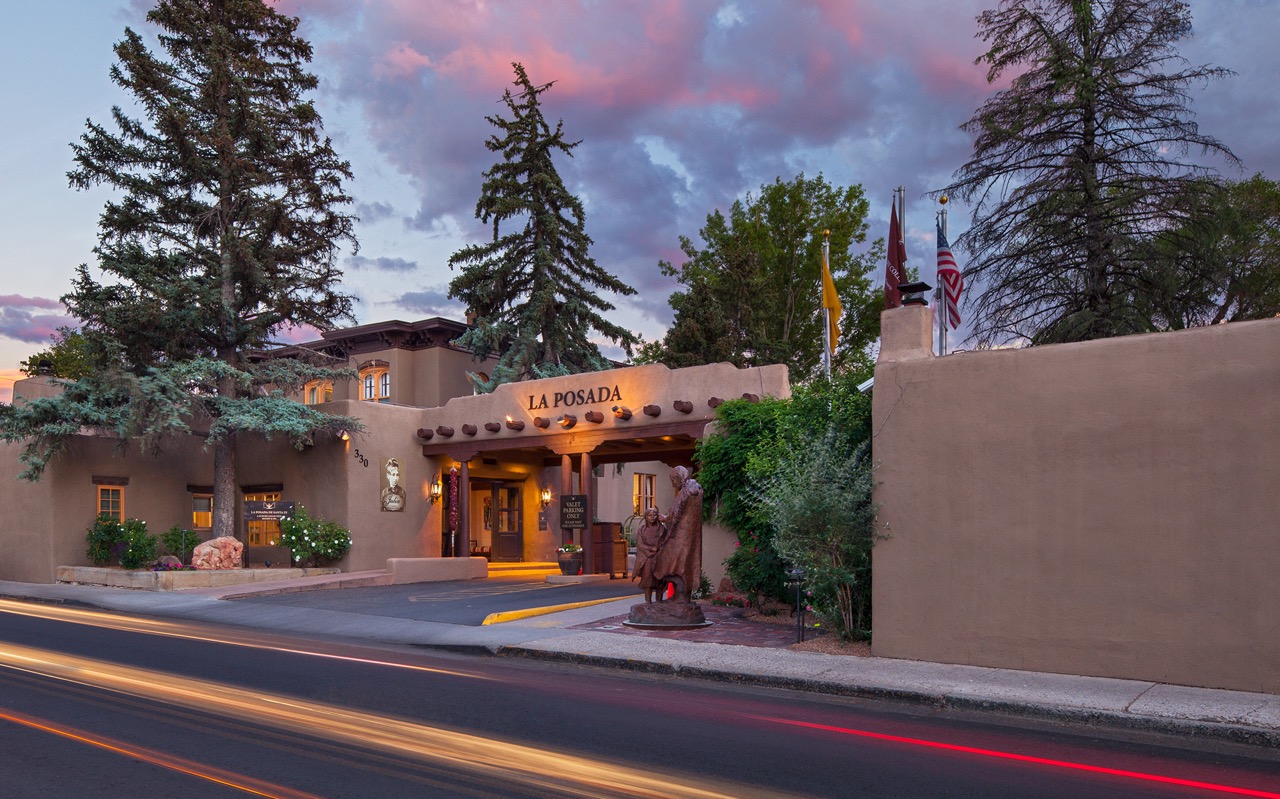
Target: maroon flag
950 279
896 273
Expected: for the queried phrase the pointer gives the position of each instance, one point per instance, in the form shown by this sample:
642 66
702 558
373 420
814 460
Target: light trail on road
1039 761
111 621
202 771
543 769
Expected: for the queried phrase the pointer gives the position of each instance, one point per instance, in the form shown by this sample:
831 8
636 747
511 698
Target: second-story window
375 382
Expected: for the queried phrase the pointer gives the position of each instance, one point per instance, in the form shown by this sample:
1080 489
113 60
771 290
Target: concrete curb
1233 733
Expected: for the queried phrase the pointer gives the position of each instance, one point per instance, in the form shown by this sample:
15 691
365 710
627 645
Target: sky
682 106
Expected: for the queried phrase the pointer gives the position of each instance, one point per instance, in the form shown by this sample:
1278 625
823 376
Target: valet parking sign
573 512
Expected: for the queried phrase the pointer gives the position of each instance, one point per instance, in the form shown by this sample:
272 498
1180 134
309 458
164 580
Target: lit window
201 511
318 391
375 380
111 502
643 493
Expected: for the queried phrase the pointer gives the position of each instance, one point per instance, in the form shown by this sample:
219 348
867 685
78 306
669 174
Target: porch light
622 412
568 420
545 496
344 435
437 489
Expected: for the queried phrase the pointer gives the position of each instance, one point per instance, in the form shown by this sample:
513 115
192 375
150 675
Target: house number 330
363 460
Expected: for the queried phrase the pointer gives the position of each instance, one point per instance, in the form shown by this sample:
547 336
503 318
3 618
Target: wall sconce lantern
344 435
515 424
568 420
437 489
545 496
622 412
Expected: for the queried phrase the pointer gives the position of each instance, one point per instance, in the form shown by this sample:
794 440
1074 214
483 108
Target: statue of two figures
669 553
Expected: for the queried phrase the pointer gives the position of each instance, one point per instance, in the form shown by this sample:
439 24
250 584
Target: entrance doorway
507 523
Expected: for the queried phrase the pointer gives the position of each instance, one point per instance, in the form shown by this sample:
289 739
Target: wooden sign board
266 511
573 512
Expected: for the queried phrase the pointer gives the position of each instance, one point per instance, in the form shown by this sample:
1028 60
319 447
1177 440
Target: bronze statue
676 559
679 561
650 537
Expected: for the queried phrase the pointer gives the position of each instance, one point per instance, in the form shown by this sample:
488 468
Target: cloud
370 213
430 302
381 264
28 318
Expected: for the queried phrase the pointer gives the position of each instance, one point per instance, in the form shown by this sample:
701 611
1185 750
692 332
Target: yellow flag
831 301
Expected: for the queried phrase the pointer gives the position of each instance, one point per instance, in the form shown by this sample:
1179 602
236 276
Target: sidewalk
1225 715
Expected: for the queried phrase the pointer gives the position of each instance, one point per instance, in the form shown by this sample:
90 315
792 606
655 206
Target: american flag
950 279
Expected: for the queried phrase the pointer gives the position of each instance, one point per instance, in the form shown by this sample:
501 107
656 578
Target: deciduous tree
752 294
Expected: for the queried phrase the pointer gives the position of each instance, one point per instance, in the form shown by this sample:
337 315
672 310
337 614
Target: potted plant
570 558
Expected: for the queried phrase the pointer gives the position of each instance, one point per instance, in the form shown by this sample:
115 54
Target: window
644 493
201 511
375 382
264 533
111 502
318 391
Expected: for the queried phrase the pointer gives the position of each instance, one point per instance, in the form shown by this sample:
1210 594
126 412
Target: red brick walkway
728 627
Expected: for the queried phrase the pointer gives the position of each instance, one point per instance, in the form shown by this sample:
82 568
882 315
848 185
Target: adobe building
437 472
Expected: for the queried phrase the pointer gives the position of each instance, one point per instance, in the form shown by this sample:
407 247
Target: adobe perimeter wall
1110 508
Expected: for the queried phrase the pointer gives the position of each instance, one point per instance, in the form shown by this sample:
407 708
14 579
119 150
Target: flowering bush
165 567
127 541
313 541
730 601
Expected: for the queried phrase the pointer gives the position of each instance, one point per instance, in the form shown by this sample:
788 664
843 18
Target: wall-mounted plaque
266 511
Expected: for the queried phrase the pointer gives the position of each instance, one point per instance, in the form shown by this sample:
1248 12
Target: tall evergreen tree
534 291
225 229
752 294
1078 164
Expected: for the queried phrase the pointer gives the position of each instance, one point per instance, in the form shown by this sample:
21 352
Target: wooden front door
508 528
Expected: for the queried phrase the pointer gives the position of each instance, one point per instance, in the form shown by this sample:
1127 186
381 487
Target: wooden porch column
462 536
588 544
566 487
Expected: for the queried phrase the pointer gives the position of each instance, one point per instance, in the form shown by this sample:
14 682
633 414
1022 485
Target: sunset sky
681 107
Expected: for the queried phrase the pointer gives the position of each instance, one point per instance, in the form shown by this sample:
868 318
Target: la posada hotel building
438 471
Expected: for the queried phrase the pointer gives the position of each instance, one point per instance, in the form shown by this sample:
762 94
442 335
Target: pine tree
1078 165
225 230
534 291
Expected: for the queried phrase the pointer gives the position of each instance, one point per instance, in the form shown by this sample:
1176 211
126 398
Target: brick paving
728 627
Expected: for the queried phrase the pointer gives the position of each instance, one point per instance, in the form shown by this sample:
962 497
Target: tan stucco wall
1106 508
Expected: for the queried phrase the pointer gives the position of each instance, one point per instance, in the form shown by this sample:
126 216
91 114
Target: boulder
218 553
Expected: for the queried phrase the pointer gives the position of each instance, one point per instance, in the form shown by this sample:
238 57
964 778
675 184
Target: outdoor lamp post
796 577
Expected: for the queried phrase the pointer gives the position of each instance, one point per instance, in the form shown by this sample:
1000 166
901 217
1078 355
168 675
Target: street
101 703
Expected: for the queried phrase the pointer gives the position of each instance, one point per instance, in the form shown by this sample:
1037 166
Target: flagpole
826 312
942 316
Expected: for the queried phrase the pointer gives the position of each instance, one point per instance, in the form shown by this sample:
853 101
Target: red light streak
209 773
1040 761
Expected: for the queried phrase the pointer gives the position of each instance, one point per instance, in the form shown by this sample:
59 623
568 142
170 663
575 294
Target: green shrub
105 535
140 547
313 541
756 569
179 542
820 503
129 543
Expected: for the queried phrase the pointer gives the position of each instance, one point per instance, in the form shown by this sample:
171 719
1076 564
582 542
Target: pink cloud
19 301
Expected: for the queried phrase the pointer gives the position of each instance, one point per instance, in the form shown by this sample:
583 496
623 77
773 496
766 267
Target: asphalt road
102 705
465 602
